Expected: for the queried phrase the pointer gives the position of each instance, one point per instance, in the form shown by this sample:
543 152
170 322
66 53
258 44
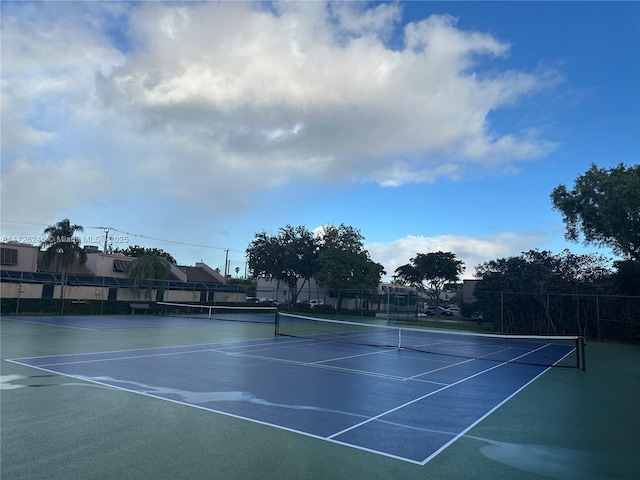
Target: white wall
27 257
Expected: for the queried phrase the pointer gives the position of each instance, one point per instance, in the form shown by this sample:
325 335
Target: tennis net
560 351
252 314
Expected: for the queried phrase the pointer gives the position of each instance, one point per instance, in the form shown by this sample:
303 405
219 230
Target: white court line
328 367
335 359
463 362
330 438
131 357
425 396
48 324
303 343
320 366
202 350
202 347
462 433
251 352
205 348
221 412
209 344
318 363
415 377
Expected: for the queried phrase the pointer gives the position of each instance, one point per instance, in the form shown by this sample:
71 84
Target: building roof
197 274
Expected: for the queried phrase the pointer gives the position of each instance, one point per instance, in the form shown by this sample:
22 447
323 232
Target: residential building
23 274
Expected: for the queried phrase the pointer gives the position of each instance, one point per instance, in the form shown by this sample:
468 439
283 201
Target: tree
148 271
538 292
289 256
430 272
62 247
627 278
248 285
603 206
344 266
137 251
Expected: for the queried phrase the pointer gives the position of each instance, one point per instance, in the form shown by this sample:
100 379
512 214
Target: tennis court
313 392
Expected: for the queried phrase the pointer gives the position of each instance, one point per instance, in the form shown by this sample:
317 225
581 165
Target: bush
53 306
323 309
299 308
359 313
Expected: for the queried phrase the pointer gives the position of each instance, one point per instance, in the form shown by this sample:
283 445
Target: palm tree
147 270
62 247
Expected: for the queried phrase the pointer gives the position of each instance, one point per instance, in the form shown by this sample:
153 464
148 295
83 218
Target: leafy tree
627 278
538 292
148 271
344 265
430 272
288 257
138 251
603 206
62 248
248 285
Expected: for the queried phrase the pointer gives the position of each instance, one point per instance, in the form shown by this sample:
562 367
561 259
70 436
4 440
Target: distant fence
603 317
24 294
406 304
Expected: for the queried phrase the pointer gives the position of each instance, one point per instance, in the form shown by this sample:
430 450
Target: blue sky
426 125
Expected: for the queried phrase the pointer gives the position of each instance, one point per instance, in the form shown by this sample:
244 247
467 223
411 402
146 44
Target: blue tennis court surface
399 403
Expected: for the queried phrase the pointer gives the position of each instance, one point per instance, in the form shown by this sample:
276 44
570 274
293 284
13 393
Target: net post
581 354
277 323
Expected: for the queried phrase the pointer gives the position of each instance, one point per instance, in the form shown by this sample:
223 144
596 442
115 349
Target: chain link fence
602 317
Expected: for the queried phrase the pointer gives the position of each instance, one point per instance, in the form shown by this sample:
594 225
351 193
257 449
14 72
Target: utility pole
106 237
226 265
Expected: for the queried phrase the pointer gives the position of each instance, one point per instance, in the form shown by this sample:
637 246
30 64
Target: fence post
19 292
501 312
102 297
388 302
598 317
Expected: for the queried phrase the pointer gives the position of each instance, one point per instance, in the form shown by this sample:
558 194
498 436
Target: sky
428 126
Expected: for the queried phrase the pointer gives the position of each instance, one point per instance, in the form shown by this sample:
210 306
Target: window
119 265
9 256
47 290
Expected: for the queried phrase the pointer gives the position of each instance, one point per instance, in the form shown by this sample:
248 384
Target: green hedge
323 309
358 313
53 306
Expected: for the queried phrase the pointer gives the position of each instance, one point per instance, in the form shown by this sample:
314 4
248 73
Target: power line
137 235
24 223
168 241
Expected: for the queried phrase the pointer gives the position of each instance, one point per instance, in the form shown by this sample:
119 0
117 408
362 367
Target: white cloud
356 19
48 74
37 190
234 79
243 96
471 250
